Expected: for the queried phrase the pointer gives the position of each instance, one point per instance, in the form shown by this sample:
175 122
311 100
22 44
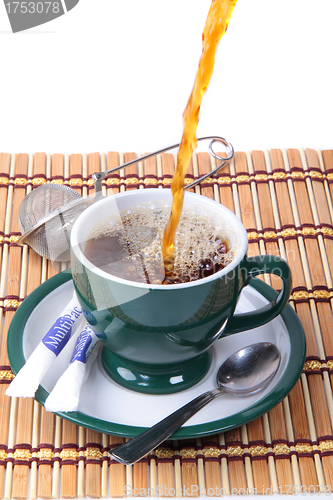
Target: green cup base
156 379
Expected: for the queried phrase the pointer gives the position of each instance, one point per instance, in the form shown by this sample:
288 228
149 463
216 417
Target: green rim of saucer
279 391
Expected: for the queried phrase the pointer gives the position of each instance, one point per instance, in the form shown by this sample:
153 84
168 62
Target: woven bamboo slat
15 294
284 198
236 464
5 207
326 164
112 182
69 456
46 447
5 161
328 169
95 163
189 470
93 464
75 177
167 168
204 166
117 472
130 176
212 464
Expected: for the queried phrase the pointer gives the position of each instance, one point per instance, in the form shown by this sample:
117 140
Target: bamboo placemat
284 198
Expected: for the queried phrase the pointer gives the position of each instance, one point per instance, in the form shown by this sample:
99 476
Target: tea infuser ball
46 218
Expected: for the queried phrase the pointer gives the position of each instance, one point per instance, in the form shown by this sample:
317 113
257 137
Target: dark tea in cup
131 246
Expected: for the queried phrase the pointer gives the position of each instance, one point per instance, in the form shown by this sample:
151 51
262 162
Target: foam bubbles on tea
132 249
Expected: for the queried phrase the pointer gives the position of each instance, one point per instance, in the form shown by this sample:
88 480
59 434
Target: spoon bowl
249 370
244 373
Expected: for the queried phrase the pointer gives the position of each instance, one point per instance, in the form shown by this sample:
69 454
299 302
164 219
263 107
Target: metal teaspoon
244 373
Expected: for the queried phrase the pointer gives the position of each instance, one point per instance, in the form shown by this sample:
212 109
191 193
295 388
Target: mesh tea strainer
46 217
47 213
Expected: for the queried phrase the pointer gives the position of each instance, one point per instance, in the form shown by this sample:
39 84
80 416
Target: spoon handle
137 448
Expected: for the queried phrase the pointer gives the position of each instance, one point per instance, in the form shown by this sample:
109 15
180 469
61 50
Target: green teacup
157 337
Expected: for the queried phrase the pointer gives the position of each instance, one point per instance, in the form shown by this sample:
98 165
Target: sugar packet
29 377
66 393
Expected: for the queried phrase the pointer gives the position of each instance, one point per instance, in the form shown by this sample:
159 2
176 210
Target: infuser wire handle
98 177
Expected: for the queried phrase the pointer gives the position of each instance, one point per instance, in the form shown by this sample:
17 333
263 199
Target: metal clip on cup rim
98 177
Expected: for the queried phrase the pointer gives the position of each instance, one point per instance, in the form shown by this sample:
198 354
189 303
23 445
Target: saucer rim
278 392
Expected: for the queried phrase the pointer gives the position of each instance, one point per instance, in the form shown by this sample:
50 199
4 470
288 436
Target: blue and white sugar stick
66 393
29 377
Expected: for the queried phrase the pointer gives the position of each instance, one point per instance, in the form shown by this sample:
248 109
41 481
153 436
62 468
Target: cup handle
251 267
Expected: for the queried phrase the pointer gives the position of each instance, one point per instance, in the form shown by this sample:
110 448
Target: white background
116 75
